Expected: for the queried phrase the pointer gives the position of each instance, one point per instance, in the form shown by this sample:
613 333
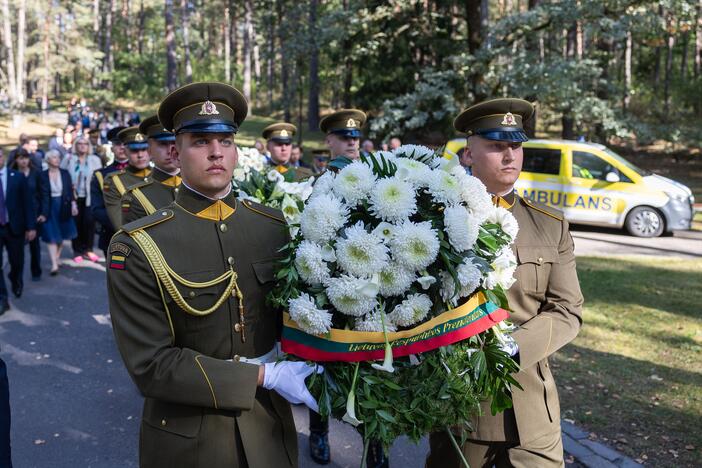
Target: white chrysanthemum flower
503 268
322 217
386 155
323 185
347 295
416 152
474 194
505 219
373 322
414 172
308 317
394 280
392 199
470 276
461 227
310 264
444 187
415 245
275 176
361 253
410 311
384 230
354 182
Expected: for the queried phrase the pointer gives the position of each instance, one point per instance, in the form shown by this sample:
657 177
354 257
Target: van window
542 161
590 166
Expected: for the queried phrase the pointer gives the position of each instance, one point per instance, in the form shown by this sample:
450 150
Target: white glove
508 345
288 379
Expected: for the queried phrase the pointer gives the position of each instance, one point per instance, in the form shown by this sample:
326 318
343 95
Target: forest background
609 70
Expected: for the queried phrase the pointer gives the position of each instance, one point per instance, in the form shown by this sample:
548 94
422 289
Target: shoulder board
148 221
545 209
115 173
264 210
141 183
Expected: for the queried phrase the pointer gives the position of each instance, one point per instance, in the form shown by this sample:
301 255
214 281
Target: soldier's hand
288 379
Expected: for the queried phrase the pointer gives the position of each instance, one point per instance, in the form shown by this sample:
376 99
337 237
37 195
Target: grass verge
633 376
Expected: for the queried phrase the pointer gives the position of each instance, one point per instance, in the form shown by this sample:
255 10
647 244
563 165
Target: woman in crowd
23 164
81 164
58 207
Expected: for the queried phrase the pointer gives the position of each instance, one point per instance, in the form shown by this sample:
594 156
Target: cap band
137 145
208 126
165 136
500 134
281 139
347 132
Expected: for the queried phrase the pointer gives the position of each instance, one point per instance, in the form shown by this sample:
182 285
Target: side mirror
612 177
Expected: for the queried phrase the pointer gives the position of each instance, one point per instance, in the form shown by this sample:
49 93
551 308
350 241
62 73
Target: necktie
3 208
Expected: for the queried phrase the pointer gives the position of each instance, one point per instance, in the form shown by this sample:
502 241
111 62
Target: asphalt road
73 404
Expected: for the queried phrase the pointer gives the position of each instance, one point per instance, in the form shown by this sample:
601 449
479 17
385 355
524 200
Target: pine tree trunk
668 73
476 12
142 25
46 75
270 70
683 53
627 72
21 45
284 64
313 95
11 73
227 47
698 55
348 66
108 60
246 51
185 26
171 67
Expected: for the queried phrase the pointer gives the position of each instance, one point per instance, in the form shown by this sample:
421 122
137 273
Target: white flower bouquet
395 282
254 181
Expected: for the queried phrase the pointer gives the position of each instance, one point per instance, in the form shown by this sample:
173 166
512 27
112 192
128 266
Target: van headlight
677 197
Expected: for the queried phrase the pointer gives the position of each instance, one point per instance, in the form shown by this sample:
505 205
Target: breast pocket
534 267
199 299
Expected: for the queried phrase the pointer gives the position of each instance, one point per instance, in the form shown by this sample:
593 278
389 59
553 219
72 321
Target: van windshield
638 170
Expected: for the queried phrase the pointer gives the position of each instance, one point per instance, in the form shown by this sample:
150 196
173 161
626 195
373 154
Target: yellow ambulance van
593 185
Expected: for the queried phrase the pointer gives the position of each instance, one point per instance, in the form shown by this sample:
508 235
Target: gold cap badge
284 133
138 137
208 108
509 120
351 123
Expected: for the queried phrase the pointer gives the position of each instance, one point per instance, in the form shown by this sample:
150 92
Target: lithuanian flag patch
117 262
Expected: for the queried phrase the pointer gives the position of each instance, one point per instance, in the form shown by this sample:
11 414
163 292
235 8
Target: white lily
328 254
387 362
426 281
384 230
350 415
371 287
275 176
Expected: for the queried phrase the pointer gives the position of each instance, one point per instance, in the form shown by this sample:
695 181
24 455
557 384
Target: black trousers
85 224
318 423
15 254
35 254
5 459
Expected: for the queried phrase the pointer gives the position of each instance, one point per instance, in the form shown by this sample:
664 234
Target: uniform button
541 260
230 260
175 190
163 213
237 328
236 358
163 422
223 227
192 294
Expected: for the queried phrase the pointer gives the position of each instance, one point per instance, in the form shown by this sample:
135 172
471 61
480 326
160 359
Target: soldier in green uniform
160 188
279 137
343 130
116 183
187 288
545 301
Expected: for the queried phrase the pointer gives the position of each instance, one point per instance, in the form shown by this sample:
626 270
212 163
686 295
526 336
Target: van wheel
644 221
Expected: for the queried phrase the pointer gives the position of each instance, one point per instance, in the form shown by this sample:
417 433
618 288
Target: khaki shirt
546 305
145 197
182 336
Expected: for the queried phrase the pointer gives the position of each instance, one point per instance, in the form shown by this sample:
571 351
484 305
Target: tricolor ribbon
474 316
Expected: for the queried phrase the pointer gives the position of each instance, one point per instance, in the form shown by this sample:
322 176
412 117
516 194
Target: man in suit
545 301
17 225
187 288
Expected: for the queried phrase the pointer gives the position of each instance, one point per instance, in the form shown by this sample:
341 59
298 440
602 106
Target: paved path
73 404
607 242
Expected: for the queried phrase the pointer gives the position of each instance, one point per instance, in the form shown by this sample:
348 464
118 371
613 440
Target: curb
590 453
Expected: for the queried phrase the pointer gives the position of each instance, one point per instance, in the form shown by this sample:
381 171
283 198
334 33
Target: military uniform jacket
546 305
115 186
178 326
145 197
